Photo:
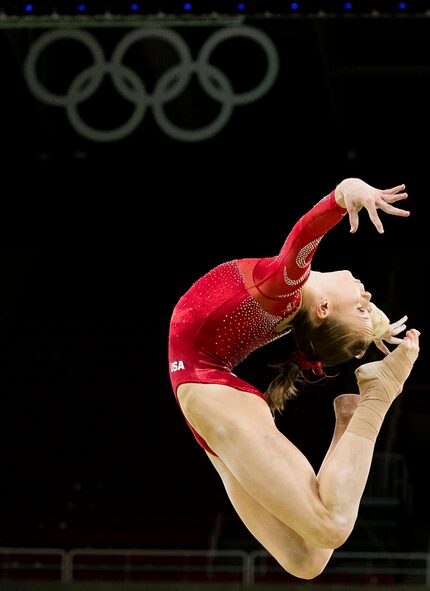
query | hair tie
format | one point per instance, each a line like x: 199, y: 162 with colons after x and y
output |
x: 305, y: 363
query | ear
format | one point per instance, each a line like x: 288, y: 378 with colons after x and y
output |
x: 322, y: 309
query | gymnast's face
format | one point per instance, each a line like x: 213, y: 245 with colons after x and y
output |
x: 349, y: 299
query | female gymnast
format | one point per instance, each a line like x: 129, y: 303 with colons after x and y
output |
x: 298, y: 516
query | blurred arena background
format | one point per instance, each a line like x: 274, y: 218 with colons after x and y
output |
x: 141, y: 144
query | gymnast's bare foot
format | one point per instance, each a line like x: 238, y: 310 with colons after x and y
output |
x: 345, y: 405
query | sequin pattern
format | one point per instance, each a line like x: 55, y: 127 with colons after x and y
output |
x: 231, y: 323
x: 302, y: 262
x: 245, y: 329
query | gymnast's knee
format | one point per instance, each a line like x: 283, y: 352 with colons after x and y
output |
x: 335, y: 536
x: 330, y: 532
x: 308, y: 566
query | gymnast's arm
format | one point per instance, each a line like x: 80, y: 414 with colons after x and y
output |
x: 277, y: 277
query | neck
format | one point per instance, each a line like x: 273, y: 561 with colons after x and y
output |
x: 311, y: 289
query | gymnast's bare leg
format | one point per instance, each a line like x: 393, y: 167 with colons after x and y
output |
x: 298, y: 516
x: 344, y: 407
x: 290, y: 549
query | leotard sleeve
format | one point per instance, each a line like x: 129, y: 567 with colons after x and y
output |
x: 278, y: 277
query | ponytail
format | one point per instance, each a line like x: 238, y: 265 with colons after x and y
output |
x: 328, y: 344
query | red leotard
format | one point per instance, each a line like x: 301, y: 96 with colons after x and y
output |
x: 234, y: 308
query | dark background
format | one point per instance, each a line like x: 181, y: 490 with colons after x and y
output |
x: 100, y: 239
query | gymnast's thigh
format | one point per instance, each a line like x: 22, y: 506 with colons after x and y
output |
x: 240, y: 429
x: 287, y: 546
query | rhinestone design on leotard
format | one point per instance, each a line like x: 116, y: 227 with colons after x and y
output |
x: 301, y: 261
x: 246, y: 326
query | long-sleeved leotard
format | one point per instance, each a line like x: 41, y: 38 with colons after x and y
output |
x: 236, y: 307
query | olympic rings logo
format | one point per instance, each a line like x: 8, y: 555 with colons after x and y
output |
x: 168, y: 87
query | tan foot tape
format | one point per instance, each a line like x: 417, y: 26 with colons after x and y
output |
x: 379, y: 382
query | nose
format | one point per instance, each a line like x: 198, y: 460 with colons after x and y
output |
x: 367, y: 295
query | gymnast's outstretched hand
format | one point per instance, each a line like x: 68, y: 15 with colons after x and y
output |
x: 354, y: 194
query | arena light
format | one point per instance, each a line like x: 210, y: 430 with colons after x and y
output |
x: 199, y: 7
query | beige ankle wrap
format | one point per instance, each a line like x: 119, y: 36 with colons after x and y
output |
x: 379, y: 382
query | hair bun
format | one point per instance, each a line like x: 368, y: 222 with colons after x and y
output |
x: 380, y: 322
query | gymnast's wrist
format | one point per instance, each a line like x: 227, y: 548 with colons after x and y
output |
x: 347, y: 187
x: 339, y: 196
